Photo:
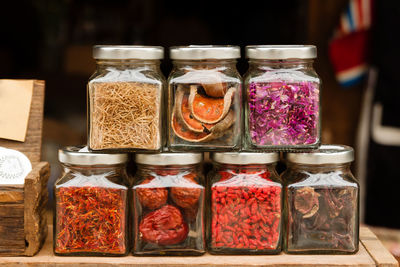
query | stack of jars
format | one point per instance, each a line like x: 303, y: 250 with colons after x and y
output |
x: 169, y: 208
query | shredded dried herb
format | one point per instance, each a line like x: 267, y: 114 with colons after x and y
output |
x: 90, y: 219
x: 283, y: 113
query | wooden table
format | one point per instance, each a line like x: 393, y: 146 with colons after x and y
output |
x: 371, y: 253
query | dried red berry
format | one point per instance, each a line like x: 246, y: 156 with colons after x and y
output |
x: 151, y: 196
x: 245, y: 210
x: 164, y: 226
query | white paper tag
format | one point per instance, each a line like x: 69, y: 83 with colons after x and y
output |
x: 14, y: 166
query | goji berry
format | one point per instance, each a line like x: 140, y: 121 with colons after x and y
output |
x: 247, y: 213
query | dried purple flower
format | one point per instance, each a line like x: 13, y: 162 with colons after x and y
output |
x: 283, y: 113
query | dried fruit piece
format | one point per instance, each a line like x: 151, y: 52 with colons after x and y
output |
x: 215, y: 89
x: 164, y: 226
x: 184, y: 114
x: 186, y: 197
x: 306, y: 201
x: 219, y: 129
x: 215, y: 132
x: 184, y: 133
x: 208, y: 109
x: 151, y: 196
x: 215, y: 86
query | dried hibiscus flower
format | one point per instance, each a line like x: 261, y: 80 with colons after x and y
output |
x: 306, y: 201
x: 283, y: 113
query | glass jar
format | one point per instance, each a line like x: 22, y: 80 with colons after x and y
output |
x: 125, y: 99
x: 204, y: 99
x: 246, y: 204
x: 322, y: 202
x: 168, y: 204
x: 91, y: 204
x: 282, y: 98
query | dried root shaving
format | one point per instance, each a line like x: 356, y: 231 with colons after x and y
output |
x: 125, y: 115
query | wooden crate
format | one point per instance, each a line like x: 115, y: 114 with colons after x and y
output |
x: 371, y: 253
x: 23, y: 224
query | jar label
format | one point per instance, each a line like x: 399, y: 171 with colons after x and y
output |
x: 14, y: 167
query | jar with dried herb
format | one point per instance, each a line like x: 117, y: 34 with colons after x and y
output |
x: 322, y: 202
x: 204, y: 99
x: 282, y: 98
x: 246, y: 204
x: 91, y: 204
x: 125, y: 99
x: 168, y: 204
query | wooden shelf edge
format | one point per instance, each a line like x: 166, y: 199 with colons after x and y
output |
x: 367, y: 256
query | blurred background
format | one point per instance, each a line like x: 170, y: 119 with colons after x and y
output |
x: 357, y: 60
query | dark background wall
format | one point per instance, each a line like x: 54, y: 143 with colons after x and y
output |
x: 52, y: 40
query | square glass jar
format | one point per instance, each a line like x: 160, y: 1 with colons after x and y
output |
x: 204, y: 99
x: 126, y: 99
x: 282, y: 98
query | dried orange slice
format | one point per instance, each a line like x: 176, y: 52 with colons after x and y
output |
x: 186, y: 134
x: 217, y: 131
x: 209, y: 109
x: 183, y: 113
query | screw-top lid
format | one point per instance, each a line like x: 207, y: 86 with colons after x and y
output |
x: 281, y: 51
x: 128, y: 52
x: 78, y: 155
x: 199, y: 52
x: 325, y: 154
x: 244, y: 158
x: 163, y: 159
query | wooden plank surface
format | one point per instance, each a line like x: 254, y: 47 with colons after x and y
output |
x: 12, y: 194
x: 36, y: 197
x: 375, y: 248
x: 23, y: 222
x: 33, y: 142
x: 46, y: 258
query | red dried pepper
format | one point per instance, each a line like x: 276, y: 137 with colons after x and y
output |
x: 164, y: 226
x: 246, y: 211
x: 90, y: 219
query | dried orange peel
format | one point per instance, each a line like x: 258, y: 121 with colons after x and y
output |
x: 216, y: 131
x: 184, y: 114
x: 209, y: 109
x: 215, y: 86
x: 186, y: 134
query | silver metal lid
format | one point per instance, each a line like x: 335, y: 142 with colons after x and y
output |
x: 244, y: 158
x: 77, y: 155
x: 281, y: 51
x: 163, y: 159
x: 199, y: 52
x: 128, y: 52
x: 326, y: 154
